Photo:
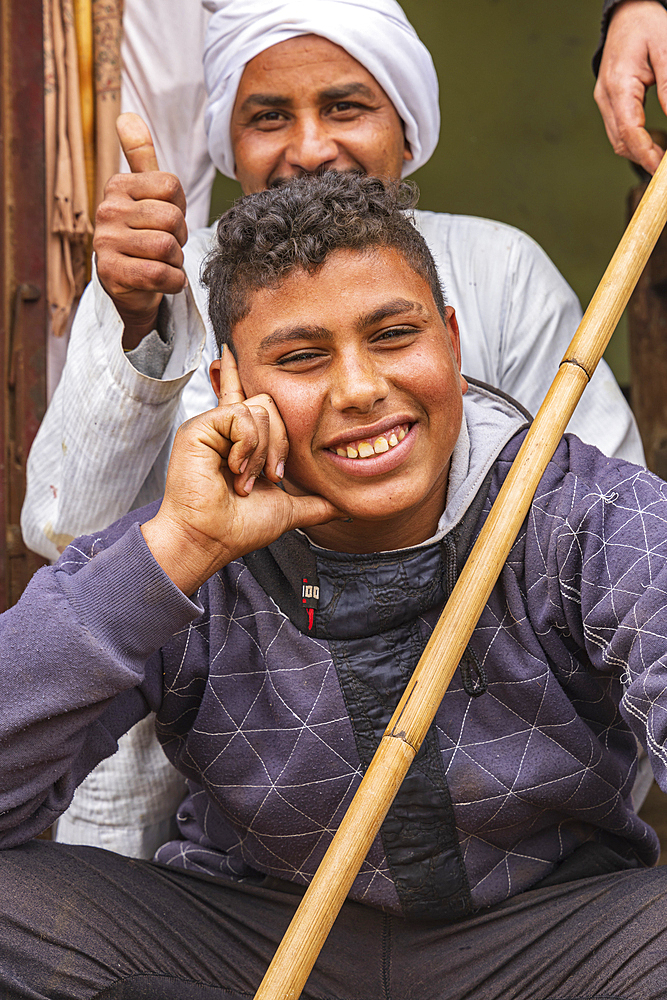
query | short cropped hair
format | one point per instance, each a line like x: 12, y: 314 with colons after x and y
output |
x: 262, y: 238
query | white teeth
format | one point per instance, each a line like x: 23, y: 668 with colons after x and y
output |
x: 393, y: 440
x: 401, y: 434
x: 365, y: 449
x: 352, y: 452
x: 380, y: 446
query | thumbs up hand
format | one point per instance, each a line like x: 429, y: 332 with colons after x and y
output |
x: 139, y: 231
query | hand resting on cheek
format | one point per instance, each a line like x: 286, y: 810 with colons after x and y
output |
x: 216, y: 505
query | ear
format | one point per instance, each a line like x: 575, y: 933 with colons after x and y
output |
x: 407, y: 152
x: 451, y: 323
x: 214, y: 375
x: 455, y: 339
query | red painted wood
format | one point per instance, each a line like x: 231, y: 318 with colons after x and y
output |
x: 23, y: 274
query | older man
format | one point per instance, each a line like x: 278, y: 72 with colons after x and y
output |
x: 295, y: 88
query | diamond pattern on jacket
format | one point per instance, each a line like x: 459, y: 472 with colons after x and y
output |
x: 267, y: 739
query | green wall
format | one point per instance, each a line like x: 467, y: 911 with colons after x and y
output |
x: 522, y: 140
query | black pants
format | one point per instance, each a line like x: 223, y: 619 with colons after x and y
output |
x: 78, y: 922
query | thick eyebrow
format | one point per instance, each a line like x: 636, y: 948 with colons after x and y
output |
x: 347, y: 90
x: 288, y: 334
x: 265, y: 101
x: 328, y: 94
x: 394, y: 308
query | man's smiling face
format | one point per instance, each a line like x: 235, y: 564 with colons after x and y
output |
x: 305, y: 105
x: 357, y: 357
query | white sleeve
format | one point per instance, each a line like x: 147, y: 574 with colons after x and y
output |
x: 163, y: 81
x: 542, y: 316
x: 517, y: 316
x: 106, y: 436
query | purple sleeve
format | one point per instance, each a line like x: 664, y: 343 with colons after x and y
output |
x: 596, y: 564
x: 79, y: 665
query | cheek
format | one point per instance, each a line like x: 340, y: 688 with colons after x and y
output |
x: 434, y: 383
x: 300, y: 426
x: 253, y: 157
x: 383, y: 146
x: 431, y: 378
x: 299, y: 411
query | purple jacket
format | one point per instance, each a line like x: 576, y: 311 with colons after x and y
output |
x: 273, y: 714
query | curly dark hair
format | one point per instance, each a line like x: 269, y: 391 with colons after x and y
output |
x: 265, y: 236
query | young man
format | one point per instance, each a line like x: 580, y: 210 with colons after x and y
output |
x: 271, y: 610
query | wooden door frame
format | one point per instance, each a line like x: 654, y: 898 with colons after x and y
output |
x: 22, y: 274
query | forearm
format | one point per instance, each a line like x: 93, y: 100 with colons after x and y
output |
x: 105, y: 427
x: 71, y: 690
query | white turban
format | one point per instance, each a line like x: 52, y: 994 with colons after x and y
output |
x: 374, y: 32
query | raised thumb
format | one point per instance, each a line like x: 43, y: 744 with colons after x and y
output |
x: 137, y: 143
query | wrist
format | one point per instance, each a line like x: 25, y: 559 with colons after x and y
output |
x: 134, y: 330
x: 187, y: 557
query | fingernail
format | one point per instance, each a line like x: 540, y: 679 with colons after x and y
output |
x: 280, y: 470
x: 186, y: 283
x: 243, y: 466
x: 249, y: 485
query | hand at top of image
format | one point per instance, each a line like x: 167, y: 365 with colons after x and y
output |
x: 633, y: 60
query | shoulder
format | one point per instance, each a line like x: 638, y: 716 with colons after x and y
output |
x: 476, y: 255
x: 442, y: 228
x: 597, y: 497
x: 579, y: 477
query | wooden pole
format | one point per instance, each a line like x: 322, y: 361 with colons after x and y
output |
x: 302, y: 943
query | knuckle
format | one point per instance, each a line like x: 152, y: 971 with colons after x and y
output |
x: 111, y: 274
x: 173, y: 217
x: 107, y: 238
x: 114, y: 184
x: 166, y: 247
x: 171, y: 184
x: 155, y: 273
x: 259, y: 412
x: 107, y: 212
x: 618, y: 142
x: 244, y: 417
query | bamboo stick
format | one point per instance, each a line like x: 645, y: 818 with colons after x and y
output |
x: 302, y: 943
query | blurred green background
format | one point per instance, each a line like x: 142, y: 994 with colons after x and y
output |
x: 522, y: 140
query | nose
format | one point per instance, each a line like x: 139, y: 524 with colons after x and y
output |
x: 357, y: 385
x: 311, y: 147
